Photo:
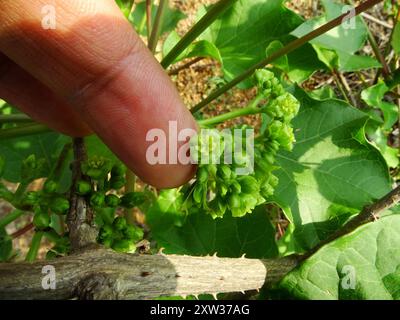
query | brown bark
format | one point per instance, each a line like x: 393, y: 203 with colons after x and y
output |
x: 97, y: 273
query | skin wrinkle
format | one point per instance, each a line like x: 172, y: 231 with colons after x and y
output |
x: 101, y: 69
x: 21, y: 89
x: 101, y: 81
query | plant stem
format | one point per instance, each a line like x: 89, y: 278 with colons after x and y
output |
x: 12, y: 216
x: 184, y: 66
x: 23, y: 131
x: 80, y: 217
x: 22, y: 231
x: 61, y: 163
x: 215, y: 11
x: 368, y: 214
x: 156, y: 30
x: 375, y: 47
x: 285, y: 50
x: 250, y: 109
x: 344, y: 87
x: 149, y: 7
x: 35, y: 246
x: 20, y: 192
x: 130, y: 186
x: 15, y: 118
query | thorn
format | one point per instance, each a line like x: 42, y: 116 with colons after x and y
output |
x: 243, y: 256
x: 215, y: 255
x: 258, y: 290
x: 242, y: 292
x: 196, y: 296
x: 161, y: 251
x: 214, y: 296
x: 184, y: 296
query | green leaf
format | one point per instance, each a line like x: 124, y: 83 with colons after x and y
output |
x: 5, y: 246
x: 323, y: 93
x: 243, y: 33
x: 44, y: 146
x: 373, y: 96
x: 125, y: 6
x: 332, y: 171
x: 298, y: 65
x: 344, y: 38
x: 380, y: 140
x: 337, y: 48
x: 349, y: 62
x: 171, y: 18
x: 166, y: 210
x: 281, y: 63
x: 396, y: 38
x: 200, y: 234
x: 202, y: 48
x: 364, y: 265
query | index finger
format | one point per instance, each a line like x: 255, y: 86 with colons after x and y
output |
x: 95, y: 62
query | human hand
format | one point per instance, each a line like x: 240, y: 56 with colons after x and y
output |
x: 92, y: 73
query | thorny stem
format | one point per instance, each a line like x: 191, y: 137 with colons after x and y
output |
x: 285, y: 50
x: 156, y: 30
x: 215, y: 11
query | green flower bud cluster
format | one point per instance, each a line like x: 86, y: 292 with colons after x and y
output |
x: 268, y: 85
x: 105, y: 179
x: 120, y: 236
x: 102, y: 171
x: 44, y: 203
x: 32, y: 169
x: 97, y: 168
x: 219, y: 187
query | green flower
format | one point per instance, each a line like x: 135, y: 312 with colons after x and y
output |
x: 97, y: 199
x: 50, y: 186
x: 41, y: 220
x: 112, y: 200
x: 59, y: 205
x: 83, y: 187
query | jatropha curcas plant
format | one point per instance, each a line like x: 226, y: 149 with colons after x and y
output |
x: 287, y: 190
x: 216, y: 189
